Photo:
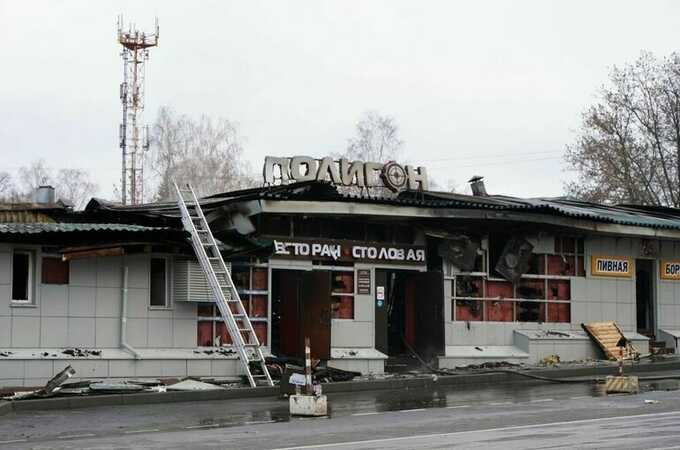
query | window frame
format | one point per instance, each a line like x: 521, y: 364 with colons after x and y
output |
x: 168, y: 283
x: 30, y: 301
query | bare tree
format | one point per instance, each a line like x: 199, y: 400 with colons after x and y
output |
x: 72, y: 185
x: 628, y: 146
x: 7, y: 188
x: 205, y: 152
x: 376, y: 139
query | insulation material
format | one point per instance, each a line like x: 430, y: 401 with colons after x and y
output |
x: 607, y: 335
x: 468, y: 310
x: 559, y: 312
x: 258, y: 306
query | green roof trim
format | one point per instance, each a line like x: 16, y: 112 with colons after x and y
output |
x: 37, y: 228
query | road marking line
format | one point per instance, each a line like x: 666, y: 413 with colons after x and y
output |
x: 210, y: 425
x: 459, y: 406
x: 486, y: 430
x: 410, y: 410
x: 499, y: 403
x: 542, y: 400
x: 150, y: 430
x: 665, y: 448
x: 579, y: 397
x: 366, y: 413
x: 13, y: 441
x: 71, y: 436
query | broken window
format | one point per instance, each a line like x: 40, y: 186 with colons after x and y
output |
x: 342, y: 294
x: 275, y: 226
x: 22, y: 276
x: 158, y: 291
x: 54, y: 271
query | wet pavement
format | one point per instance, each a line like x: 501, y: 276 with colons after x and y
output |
x: 43, y: 428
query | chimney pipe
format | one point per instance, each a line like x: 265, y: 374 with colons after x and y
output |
x: 477, y: 186
x: 44, y: 195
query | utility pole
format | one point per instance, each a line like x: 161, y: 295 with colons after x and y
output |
x: 133, y: 136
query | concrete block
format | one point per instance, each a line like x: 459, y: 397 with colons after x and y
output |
x: 54, y: 332
x: 109, y: 273
x: 121, y: 368
x: 198, y: 368
x: 376, y: 366
x: 184, y: 333
x: 160, y: 333
x: 83, y: 272
x: 174, y: 368
x: 107, y: 332
x: 39, y: 369
x: 622, y: 385
x: 54, y: 300
x: 82, y: 301
x: 25, y: 332
x: 108, y: 302
x: 5, y: 331
x: 81, y: 332
x: 308, y: 405
x: 137, y: 332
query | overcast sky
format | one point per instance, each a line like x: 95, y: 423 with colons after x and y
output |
x: 494, y: 88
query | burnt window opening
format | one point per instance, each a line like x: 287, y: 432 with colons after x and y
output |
x: 22, y: 275
x: 158, y: 291
x: 55, y: 271
x: 307, y: 227
x: 275, y: 226
x: 497, y: 243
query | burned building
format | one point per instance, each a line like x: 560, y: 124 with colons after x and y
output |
x: 368, y: 275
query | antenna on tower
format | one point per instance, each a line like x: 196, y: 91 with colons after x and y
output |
x: 133, y: 136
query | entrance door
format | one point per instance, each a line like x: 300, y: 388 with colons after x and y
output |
x: 301, y: 307
x: 409, y: 312
x: 644, y: 295
x: 316, y: 312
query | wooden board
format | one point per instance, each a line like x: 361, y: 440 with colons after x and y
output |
x: 607, y: 335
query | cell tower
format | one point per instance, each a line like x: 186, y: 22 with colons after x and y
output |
x: 134, y: 137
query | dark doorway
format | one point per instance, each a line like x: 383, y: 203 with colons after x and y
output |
x: 644, y: 295
x: 409, y: 314
x: 301, y: 307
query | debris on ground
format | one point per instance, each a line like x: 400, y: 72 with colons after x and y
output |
x: 219, y: 351
x: 489, y: 365
x: 193, y: 385
x: 550, y: 361
x: 115, y: 388
x: 652, y: 402
x: 79, y: 352
x: 6, y: 354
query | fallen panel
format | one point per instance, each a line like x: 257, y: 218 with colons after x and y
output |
x: 193, y: 385
x: 607, y: 335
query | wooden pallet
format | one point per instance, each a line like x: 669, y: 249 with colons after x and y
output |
x: 607, y: 335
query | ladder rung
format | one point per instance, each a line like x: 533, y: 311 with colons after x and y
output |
x: 244, y: 329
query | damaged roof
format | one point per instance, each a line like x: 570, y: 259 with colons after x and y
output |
x: 167, y: 213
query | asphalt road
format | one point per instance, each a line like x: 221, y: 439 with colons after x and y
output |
x: 514, y: 416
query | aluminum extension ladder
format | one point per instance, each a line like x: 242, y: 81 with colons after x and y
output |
x: 238, y: 324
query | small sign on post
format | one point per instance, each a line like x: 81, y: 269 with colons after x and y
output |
x: 311, y: 403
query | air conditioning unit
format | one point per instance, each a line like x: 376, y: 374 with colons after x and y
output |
x: 190, y: 284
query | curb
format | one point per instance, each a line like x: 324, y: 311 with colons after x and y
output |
x: 479, y: 378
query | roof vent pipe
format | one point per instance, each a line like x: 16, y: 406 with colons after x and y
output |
x: 44, y: 195
x: 477, y: 186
